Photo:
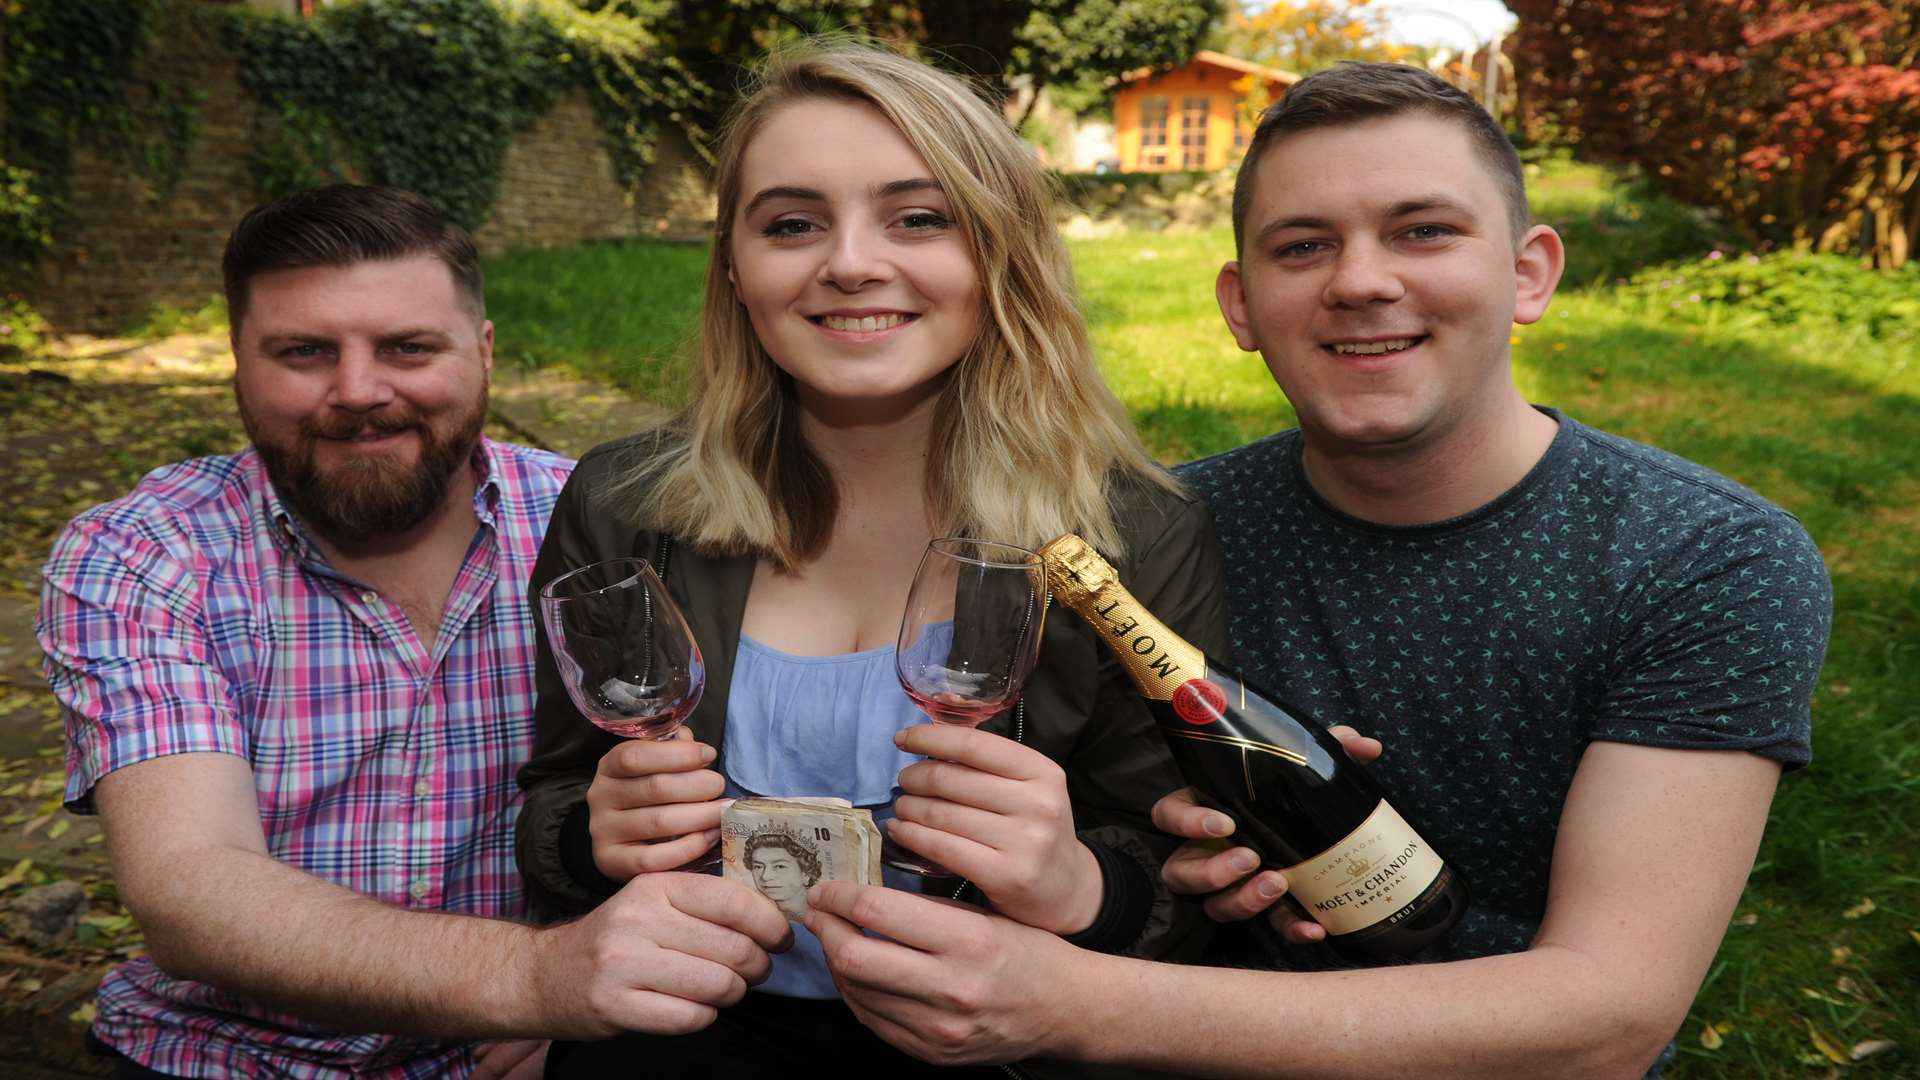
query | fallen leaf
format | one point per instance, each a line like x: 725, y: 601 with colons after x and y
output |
x: 1864, y: 907
x: 1915, y: 934
x: 1710, y: 1038
x: 1841, y: 954
x: 1821, y: 995
x: 1746, y: 920
x: 82, y: 1015
x: 33, y: 826
x: 1828, y: 1046
x: 1724, y: 1027
x: 59, y: 828
x: 1863, y: 1051
x: 16, y: 875
x: 31, y: 985
x: 1846, y: 985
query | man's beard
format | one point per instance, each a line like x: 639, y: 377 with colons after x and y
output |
x: 371, y: 496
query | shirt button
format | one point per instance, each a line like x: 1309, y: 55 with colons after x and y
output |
x: 422, y: 788
x: 370, y: 597
x: 419, y: 889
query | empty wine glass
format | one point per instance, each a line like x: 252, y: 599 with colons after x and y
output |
x: 969, y: 640
x: 624, y: 651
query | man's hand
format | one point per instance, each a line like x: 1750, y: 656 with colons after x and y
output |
x: 514, y: 1059
x: 1225, y: 875
x: 654, y: 805
x: 945, y: 982
x: 661, y: 956
x: 997, y: 813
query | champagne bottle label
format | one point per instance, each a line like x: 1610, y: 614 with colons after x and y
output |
x: 1370, y: 875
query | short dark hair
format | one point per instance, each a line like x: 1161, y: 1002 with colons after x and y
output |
x: 340, y: 225
x: 1355, y: 91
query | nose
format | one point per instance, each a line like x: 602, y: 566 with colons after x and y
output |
x: 856, y: 258
x: 1363, y: 274
x: 360, y: 383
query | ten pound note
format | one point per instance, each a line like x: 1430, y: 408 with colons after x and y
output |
x: 783, y: 847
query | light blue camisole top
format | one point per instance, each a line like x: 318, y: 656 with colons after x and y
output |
x: 816, y: 725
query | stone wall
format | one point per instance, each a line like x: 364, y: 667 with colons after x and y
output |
x: 127, y: 248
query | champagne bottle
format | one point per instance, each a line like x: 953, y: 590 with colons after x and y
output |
x: 1352, y: 863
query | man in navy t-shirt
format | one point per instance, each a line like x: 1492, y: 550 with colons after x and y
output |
x: 1588, y: 660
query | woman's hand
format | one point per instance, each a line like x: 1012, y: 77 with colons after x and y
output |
x: 654, y: 805
x: 996, y: 812
x: 1207, y: 866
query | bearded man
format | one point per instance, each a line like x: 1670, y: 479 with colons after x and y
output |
x: 297, y: 682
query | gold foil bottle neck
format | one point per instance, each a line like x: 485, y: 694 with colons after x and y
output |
x: 1076, y: 572
x: 1159, y: 660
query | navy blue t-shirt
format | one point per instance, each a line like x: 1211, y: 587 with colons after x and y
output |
x: 1616, y: 593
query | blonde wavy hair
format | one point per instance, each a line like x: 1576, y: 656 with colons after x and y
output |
x: 1027, y: 440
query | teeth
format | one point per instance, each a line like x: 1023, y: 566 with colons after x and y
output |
x: 866, y: 325
x: 1373, y: 348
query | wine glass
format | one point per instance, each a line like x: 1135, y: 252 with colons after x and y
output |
x: 968, y: 641
x: 624, y: 652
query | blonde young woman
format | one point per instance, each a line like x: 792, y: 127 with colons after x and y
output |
x: 890, y: 350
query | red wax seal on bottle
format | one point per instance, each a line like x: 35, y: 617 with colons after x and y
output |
x: 1199, y: 702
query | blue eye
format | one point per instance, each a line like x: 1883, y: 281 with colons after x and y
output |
x: 1429, y: 232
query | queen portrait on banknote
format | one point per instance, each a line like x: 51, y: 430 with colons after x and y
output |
x: 890, y: 349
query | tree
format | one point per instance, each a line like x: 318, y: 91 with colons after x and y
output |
x: 1304, y: 36
x: 1800, y: 120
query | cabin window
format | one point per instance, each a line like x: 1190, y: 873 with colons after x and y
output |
x: 1193, y: 132
x: 1153, y: 132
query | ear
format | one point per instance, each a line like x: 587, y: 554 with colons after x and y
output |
x: 1229, y: 289
x: 1537, y: 267
x: 486, y: 347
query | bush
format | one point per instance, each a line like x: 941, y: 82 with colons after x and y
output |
x: 1787, y: 289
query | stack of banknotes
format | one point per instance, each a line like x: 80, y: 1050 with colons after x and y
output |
x: 782, y: 847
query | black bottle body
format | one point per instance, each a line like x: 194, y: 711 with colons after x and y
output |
x: 1352, y: 862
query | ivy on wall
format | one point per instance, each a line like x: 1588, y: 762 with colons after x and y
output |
x: 66, y: 78
x: 428, y: 94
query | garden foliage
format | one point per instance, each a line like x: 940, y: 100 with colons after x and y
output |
x: 1801, y: 121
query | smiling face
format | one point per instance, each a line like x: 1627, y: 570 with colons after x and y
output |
x: 364, y: 388
x: 1380, y: 282
x: 844, y: 253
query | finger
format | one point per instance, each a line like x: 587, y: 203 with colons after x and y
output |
x: 659, y: 789
x: 644, y: 757
x: 1293, y: 928
x: 668, y: 820
x: 1360, y: 748
x: 945, y: 815
x: 1200, y: 868
x: 1249, y: 898
x: 531, y: 1067
x: 977, y: 749
x: 964, y: 856
x: 504, y: 1060
x: 661, y: 1014
x: 873, y: 963
x: 1179, y: 814
x: 731, y: 904
x: 891, y: 1017
x: 622, y: 861
x: 916, y: 922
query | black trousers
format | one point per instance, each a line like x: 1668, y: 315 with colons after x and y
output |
x: 764, y: 1035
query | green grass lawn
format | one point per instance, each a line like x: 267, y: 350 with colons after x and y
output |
x: 1794, y: 379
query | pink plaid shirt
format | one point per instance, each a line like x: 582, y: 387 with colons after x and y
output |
x: 194, y: 615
